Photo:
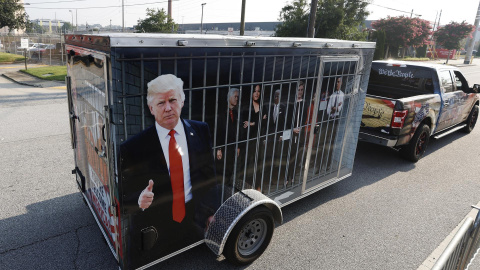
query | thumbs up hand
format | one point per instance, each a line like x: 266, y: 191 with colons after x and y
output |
x: 146, y: 197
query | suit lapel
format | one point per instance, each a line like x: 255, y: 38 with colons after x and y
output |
x: 193, y: 143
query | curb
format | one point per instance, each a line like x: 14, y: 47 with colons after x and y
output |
x: 22, y: 83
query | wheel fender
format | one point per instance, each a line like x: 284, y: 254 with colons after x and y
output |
x: 230, y: 213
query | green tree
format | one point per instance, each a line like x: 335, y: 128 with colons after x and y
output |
x: 32, y: 27
x: 12, y: 15
x: 450, y: 35
x: 380, y: 47
x: 340, y: 19
x: 404, y: 31
x: 156, y: 21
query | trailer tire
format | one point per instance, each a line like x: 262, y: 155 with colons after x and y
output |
x: 471, y: 120
x: 250, y: 236
x: 418, y: 144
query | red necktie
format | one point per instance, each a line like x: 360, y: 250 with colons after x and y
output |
x: 176, y: 177
x: 231, y: 114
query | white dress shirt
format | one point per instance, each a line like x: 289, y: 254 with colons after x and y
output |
x: 181, y: 139
x: 336, y: 100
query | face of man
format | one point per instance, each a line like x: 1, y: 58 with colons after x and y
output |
x: 276, y: 98
x: 166, y: 108
x: 234, y: 99
x: 339, y: 84
x: 300, y: 92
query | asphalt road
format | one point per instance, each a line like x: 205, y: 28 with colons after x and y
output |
x: 390, y: 214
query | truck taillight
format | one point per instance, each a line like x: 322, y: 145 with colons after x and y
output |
x: 398, y: 118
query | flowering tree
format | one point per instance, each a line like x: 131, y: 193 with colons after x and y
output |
x: 404, y: 31
x: 450, y: 35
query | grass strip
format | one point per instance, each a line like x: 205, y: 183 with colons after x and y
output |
x: 10, y: 57
x: 51, y: 73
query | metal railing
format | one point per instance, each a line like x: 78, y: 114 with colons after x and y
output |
x: 461, y: 250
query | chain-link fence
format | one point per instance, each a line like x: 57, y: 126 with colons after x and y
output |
x: 45, y: 49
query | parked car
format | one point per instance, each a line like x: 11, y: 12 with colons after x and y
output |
x: 407, y: 103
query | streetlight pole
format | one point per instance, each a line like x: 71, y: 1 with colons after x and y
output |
x: 201, y: 24
x: 71, y: 12
x: 123, y: 17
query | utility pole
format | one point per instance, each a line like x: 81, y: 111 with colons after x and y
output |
x: 201, y: 23
x: 170, y: 8
x: 242, y: 19
x: 311, y: 22
x: 76, y: 19
x: 110, y: 25
x: 471, y: 42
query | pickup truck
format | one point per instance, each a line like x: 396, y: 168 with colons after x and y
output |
x: 407, y: 103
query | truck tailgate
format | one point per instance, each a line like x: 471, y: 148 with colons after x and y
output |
x: 376, y: 120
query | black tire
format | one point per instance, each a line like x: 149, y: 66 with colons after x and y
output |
x: 418, y: 144
x: 471, y: 120
x: 250, y: 237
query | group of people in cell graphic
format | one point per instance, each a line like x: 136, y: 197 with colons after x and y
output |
x: 261, y: 141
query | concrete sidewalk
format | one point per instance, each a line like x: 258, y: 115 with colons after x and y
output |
x: 26, y: 79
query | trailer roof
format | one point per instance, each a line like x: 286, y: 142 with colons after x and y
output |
x: 108, y: 40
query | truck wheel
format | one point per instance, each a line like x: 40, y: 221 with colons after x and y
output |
x: 471, y: 120
x: 417, y: 146
x: 250, y: 237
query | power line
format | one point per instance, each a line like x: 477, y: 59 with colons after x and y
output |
x: 142, y: 4
x: 54, y: 2
x: 408, y: 12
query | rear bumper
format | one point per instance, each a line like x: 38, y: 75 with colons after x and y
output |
x: 381, y: 140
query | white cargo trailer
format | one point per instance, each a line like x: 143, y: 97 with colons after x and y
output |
x: 265, y: 122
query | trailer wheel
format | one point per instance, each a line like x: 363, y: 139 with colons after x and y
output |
x: 417, y: 146
x: 471, y: 120
x: 250, y: 237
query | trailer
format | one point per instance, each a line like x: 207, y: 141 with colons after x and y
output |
x: 267, y: 121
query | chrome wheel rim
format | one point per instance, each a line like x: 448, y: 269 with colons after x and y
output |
x: 251, y: 237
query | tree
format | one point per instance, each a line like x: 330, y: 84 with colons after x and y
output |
x: 450, y: 35
x: 31, y: 27
x: 157, y: 21
x: 340, y: 19
x: 404, y: 31
x: 380, y: 47
x: 12, y: 15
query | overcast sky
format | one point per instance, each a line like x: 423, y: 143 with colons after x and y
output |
x: 189, y: 11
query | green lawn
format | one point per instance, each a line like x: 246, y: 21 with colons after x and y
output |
x: 51, y: 73
x: 9, y: 57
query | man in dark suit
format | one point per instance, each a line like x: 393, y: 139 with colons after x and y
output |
x: 296, y: 119
x: 273, y: 125
x: 167, y: 178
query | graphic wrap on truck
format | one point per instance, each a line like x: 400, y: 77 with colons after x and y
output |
x: 377, y: 113
x: 88, y: 94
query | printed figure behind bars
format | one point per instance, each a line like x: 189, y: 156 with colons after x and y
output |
x: 333, y: 112
x: 274, y: 122
x: 228, y: 155
x: 296, y: 117
x: 252, y: 121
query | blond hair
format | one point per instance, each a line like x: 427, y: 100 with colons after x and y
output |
x: 163, y: 84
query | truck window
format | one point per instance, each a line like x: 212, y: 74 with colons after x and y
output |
x: 460, y: 81
x: 399, y: 81
x: 446, y: 81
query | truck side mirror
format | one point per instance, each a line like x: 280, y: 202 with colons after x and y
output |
x: 476, y: 88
